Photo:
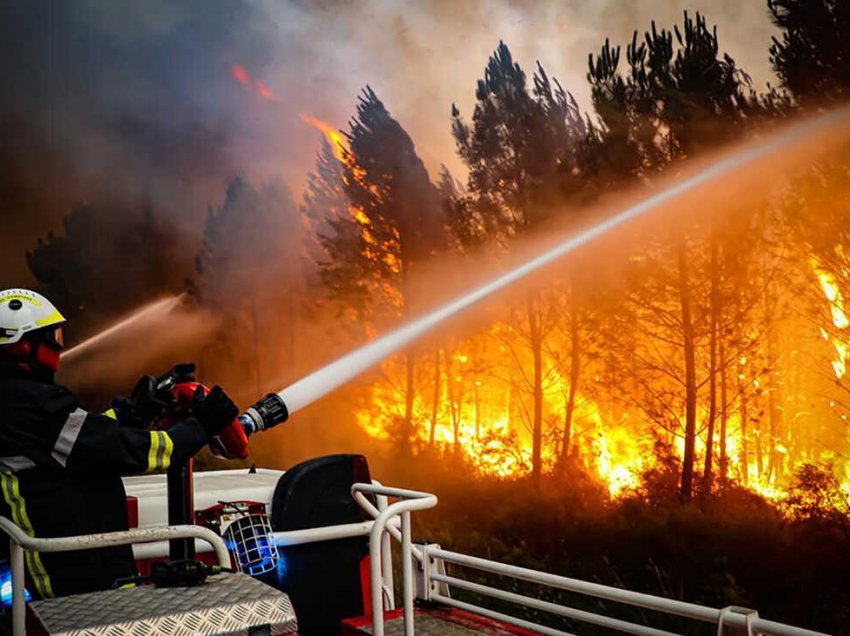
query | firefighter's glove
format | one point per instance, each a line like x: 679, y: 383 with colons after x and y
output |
x: 215, y: 411
x: 143, y: 407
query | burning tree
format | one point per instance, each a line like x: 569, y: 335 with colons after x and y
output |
x: 672, y: 102
x: 522, y: 152
x: 397, y: 223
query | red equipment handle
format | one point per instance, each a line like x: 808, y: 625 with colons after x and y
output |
x: 231, y: 443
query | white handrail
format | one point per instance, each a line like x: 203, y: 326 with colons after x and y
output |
x: 546, y: 606
x: 596, y: 590
x: 20, y: 540
x: 410, y: 500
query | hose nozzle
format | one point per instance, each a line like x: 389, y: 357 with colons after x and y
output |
x: 266, y: 413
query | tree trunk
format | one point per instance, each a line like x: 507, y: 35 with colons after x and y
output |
x: 454, y: 409
x: 407, y: 432
x: 477, y: 405
x: 714, y: 310
x: 535, y: 334
x: 744, y: 450
x: 575, y: 361
x: 724, y: 416
x: 774, y: 467
x: 407, y: 424
x: 690, y: 377
x: 435, y: 406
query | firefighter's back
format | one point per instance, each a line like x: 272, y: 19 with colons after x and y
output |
x: 45, y: 499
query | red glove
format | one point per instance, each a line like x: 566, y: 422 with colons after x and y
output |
x: 231, y: 442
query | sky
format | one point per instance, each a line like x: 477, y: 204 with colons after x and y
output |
x: 162, y: 102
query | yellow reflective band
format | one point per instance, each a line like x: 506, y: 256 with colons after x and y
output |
x: 154, y: 451
x: 52, y: 319
x: 169, y: 446
x: 12, y: 494
x: 42, y: 572
x: 111, y: 414
x: 21, y: 297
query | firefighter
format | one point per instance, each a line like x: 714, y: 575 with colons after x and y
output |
x: 61, y: 466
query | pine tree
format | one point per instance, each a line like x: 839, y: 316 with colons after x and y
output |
x: 521, y: 149
x: 678, y: 96
x: 109, y: 260
x: 395, y: 222
x: 812, y: 59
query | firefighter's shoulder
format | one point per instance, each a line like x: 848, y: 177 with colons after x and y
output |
x: 49, y: 399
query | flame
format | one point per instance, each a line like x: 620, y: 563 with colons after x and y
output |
x: 620, y: 474
x: 264, y: 92
x: 240, y: 75
x: 483, y: 417
x: 480, y: 418
x: 830, y: 288
x: 481, y: 424
x: 833, y: 295
x: 360, y: 216
x: 339, y: 144
x: 385, y: 252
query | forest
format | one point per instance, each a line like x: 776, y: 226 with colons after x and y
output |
x: 666, y: 410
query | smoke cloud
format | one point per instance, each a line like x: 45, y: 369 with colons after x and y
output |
x: 167, y: 101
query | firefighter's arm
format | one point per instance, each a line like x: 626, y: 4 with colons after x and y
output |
x: 91, y: 443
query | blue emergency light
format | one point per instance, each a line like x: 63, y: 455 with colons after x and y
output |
x: 6, y: 586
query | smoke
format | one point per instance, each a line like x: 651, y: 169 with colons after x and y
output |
x: 107, y: 364
x: 118, y: 101
x: 123, y: 100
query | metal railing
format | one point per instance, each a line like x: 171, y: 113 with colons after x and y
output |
x: 20, y: 541
x: 731, y: 617
x: 434, y: 584
x: 408, y: 501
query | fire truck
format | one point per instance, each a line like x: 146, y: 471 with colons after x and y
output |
x: 322, y: 548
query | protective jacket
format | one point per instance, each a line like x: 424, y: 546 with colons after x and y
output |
x: 60, y: 473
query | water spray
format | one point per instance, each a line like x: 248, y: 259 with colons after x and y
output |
x: 162, y: 305
x: 275, y: 408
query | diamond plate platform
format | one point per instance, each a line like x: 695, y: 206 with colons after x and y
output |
x: 225, y: 604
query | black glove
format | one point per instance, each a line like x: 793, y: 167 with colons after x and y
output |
x: 142, y: 407
x: 215, y: 411
x: 184, y: 372
x: 151, y: 397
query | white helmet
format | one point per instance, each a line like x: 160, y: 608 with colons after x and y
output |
x: 21, y: 311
